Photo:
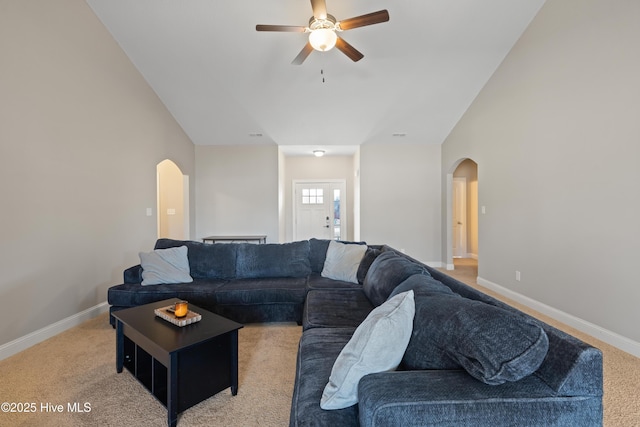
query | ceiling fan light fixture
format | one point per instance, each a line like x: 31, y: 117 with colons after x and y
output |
x: 323, y: 39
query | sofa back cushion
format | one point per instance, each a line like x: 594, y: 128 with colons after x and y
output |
x: 317, y: 253
x: 206, y: 261
x: 369, y: 256
x: 492, y: 344
x: 571, y: 367
x: 273, y: 260
x: 387, y: 271
x: 421, y: 284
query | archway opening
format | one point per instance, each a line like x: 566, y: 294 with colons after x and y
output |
x: 462, y: 214
x: 173, y: 201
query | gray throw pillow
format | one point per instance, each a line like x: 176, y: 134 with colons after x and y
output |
x: 165, y: 266
x: 342, y: 261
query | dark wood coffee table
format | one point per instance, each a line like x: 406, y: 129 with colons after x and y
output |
x: 180, y: 366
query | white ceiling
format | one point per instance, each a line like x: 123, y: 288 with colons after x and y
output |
x: 224, y: 82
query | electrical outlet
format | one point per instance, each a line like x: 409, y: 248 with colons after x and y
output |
x: 517, y: 275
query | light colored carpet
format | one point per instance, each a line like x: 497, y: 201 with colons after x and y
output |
x: 79, y: 366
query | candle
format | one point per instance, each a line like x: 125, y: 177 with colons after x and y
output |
x: 182, y: 308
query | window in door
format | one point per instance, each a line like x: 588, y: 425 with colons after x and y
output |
x: 312, y: 196
x: 336, y: 214
x: 319, y: 210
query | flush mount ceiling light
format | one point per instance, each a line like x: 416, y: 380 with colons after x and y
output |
x: 318, y: 153
x: 323, y: 30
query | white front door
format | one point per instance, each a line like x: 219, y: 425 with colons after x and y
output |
x: 319, y: 210
x: 459, y: 217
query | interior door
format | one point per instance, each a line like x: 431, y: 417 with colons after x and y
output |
x: 319, y: 210
x: 459, y: 217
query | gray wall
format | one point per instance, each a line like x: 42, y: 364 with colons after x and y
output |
x: 400, y: 198
x: 80, y: 136
x: 555, y: 133
x: 237, y: 190
x: 399, y: 193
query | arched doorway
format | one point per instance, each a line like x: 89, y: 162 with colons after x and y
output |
x: 173, y: 201
x: 462, y: 214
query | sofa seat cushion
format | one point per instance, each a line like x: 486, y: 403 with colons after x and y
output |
x: 492, y: 344
x: 449, y: 398
x: 273, y: 260
x: 317, y: 353
x: 316, y: 281
x: 335, y: 309
x: 198, y: 292
x: 206, y: 261
x: 262, y: 291
x: 387, y: 271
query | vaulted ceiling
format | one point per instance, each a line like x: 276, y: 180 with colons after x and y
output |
x: 226, y: 83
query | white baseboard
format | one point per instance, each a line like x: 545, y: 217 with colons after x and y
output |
x: 24, y: 342
x: 616, y: 340
x: 434, y: 264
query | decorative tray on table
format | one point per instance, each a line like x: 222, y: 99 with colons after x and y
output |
x: 166, y: 313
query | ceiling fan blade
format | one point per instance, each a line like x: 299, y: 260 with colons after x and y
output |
x: 286, y: 28
x: 348, y: 50
x: 363, y: 20
x: 306, y: 51
x: 319, y: 9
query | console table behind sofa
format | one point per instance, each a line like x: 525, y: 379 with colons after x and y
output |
x: 260, y: 238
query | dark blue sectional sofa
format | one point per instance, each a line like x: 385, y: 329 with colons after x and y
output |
x: 471, y: 359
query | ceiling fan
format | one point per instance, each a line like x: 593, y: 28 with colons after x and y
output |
x: 323, y: 29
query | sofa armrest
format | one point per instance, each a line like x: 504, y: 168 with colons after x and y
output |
x: 454, y: 398
x: 133, y: 274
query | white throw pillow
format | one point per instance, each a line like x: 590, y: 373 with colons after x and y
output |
x: 165, y: 266
x: 342, y: 261
x: 377, y: 345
